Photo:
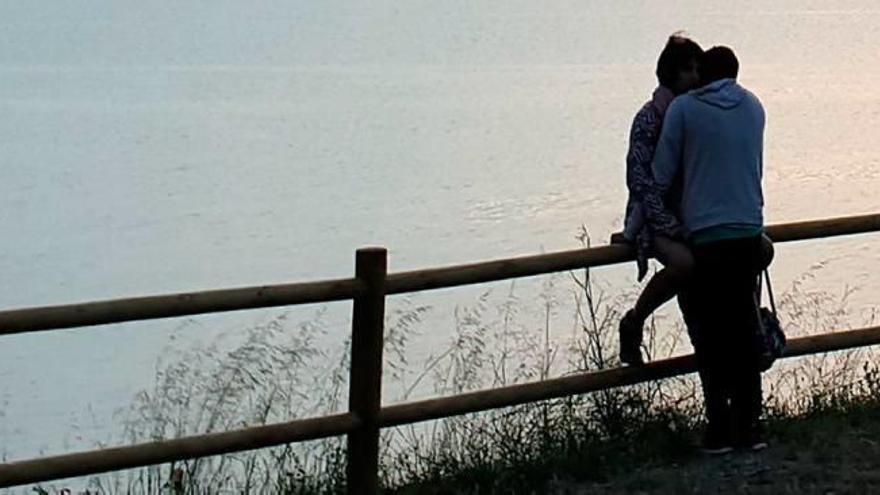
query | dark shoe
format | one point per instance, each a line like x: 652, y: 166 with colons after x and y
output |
x: 630, y: 332
x: 716, y: 450
x: 752, y: 442
x: 715, y: 443
x: 758, y: 446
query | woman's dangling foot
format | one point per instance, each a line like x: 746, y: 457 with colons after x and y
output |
x: 630, y: 332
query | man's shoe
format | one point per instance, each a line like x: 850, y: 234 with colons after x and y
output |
x: 716, y: 443
x: 716, y: 450
x: 630, y: 333
x: 753, y: 442
x: 758, y: 446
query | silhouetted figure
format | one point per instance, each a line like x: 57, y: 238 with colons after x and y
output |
x: 713, y: 138
x: 650, y: 224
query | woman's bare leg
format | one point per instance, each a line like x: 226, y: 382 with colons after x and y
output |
x: 678, y: 265
x: 664, y: 285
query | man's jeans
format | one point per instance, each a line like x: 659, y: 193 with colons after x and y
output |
x: 719, y: 309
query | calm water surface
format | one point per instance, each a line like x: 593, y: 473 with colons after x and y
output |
x: 163, y: 148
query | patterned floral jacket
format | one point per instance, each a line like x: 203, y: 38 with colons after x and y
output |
x: 647, y: 213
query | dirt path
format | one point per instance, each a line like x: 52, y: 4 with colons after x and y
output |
x: 832, y: 453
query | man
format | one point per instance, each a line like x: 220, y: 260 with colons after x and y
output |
x: 713, y: 137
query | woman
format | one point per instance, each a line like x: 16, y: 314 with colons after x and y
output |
x: 649, y: 224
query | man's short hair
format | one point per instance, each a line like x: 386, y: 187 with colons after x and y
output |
x: 679, y: 52
x: 719, y: 62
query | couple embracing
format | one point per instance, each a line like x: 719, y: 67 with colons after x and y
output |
x: 694, y: 171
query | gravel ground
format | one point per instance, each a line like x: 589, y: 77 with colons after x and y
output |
x: 830, y: 453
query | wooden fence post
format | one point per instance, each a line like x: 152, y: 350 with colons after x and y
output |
x: 365, y: 384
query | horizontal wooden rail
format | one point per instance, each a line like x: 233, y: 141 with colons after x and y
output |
x: 828, y: 227
x: 145, y: 454
x: 491, y: 271
x: 165, y: 306
x: 82, y: 464
x: 512, y: 395
x: 830, y: 342
x: 193, y: 303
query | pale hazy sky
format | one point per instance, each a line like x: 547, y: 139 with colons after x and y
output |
x: 454, y: 32
x: 276, y: 32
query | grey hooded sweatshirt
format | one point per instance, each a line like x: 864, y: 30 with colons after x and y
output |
x: 715, y: 136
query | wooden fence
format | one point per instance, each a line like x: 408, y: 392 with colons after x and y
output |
x: 366, y: 416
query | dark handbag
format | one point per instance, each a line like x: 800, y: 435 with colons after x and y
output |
x: 770, y: 337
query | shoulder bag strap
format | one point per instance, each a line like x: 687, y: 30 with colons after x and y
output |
x: 769, y: 290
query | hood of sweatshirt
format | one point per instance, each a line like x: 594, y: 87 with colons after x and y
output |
x: 724, y: 93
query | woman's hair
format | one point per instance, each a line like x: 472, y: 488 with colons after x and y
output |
x: 719, y: 62
x: 679, y: 52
